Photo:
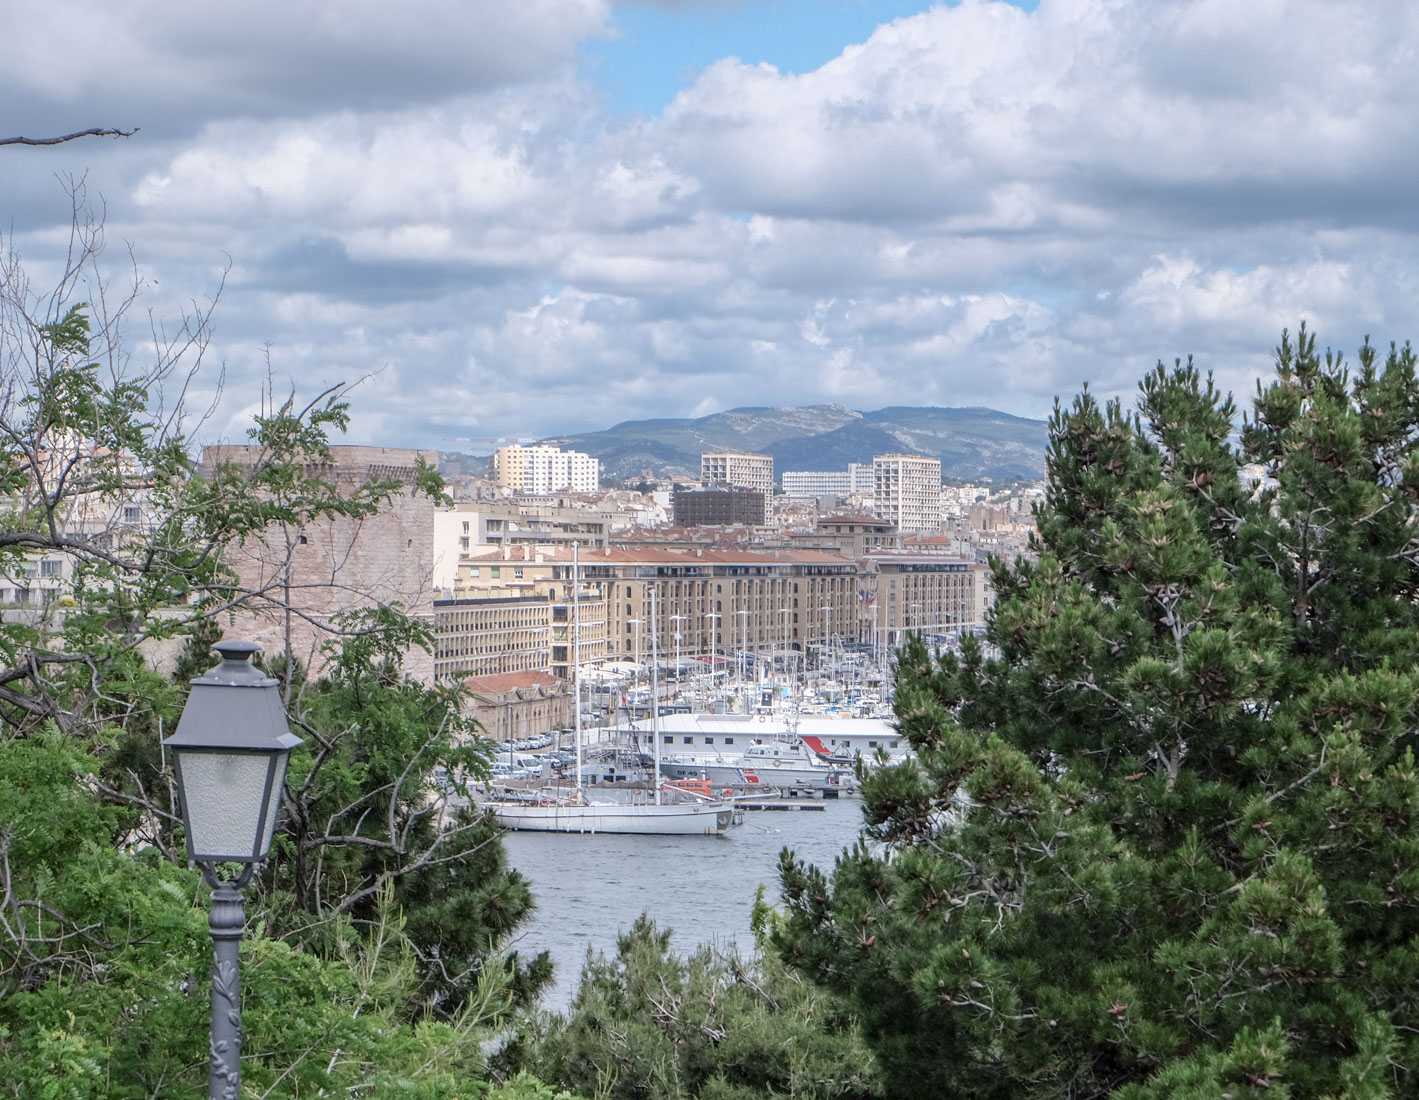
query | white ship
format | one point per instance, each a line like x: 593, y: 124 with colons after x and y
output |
x: 782, y: 764
x: 837, y: 740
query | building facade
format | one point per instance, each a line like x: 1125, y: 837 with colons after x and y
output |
x: 512, y: 706
x: 513, y: 608
x: 738, y: 470
x: 939, y: 595
x: 906, y: 491
x: 468, y: 526
x: 719, y: 508
x: 857, y: 536
x: 541, y: 469
x: 707, y: 602
x: 857, y: 478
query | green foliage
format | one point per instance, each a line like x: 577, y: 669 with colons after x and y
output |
x: 714, y: 1026
x: 1160, y: 835
x: 373, y: 964
x: 104, y: 959
x: 369, y: 806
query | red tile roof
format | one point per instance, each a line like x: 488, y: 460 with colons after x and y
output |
x: 510, y: 681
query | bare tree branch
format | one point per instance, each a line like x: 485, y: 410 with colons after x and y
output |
x: 95, y: 132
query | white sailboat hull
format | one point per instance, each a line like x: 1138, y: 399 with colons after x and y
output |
x: 679, y: 819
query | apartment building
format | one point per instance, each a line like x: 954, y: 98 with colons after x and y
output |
x: 906, y: 491
x: 936, y: 594
x: 706, y: 601
x: 856, y: 536
x: 738, y: 470
x: 719, y: 508
x: 857, y: 478
x: 541, y: 469
x: 471, y: 525
x: 513, y: 610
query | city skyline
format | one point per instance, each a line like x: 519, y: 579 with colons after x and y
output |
x: 535, y: 221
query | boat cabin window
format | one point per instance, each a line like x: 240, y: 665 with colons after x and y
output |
x: 872, y: 744
x: 669, y: 740
x: 689, y: 740
x: 729, y: 740
x: 709, y: 740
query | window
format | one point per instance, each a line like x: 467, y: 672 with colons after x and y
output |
x: 53, y: 568
x: 729, y: 740
x: 495, y: 572
x: 473, y: 571
x: 709, y: 740
x: 689, y: 740
x: 517, y: 573
x: 670, y: 740
x: 130, y: 513
x: 463, y: 543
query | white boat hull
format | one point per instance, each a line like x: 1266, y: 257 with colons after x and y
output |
x: 687, y: 819
x: 749, y: 777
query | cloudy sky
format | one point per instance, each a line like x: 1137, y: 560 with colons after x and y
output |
x: 523, y: 219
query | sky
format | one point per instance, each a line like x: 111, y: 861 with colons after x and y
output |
x: 516, y: 221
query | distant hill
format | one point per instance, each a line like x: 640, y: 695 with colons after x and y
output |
x: 971, y: 442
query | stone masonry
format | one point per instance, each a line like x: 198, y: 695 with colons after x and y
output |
x: 306, y: 576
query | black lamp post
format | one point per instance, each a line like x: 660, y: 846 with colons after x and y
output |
x: 230, y: 752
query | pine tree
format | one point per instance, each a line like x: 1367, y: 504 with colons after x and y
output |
x: 1159, y: 837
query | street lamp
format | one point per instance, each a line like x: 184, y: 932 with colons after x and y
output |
x: 713, y: 617
x: 230, y: 752
x: 743, y: 614
x: 787, y: 649
x: 636, y: 674
x: 677, y: 619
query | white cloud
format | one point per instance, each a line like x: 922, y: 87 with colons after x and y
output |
x: 978, y: 205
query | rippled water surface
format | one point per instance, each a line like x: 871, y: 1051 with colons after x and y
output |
x: 589, y: 888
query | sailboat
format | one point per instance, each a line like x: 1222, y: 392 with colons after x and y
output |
x: 576, y: 812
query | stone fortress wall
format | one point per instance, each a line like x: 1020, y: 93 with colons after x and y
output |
x: 305, y: 576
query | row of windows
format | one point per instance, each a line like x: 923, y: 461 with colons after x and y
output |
x: 669, y: 739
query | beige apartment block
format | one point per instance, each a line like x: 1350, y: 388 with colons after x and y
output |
x: 542, y: 469
x: 738, y: 470
x: 716, y: 601
x: 855, y: 536
x: 538, y: 580
x: 468, y: 526
x: 907, y: 491
x: 935, y: 594
x: 301, y: 578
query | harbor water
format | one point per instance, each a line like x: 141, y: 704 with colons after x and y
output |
x: 590, y: 888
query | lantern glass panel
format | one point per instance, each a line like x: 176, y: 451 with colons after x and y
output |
x: 224, y: 794
x: 273, y: 811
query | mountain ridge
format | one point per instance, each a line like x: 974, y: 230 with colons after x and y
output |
x: 972, y: 442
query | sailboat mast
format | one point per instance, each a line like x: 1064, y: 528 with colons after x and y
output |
x: 654, y: 699
x: 576, y: 655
